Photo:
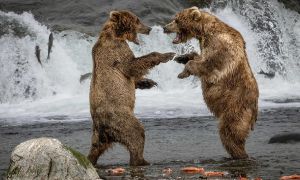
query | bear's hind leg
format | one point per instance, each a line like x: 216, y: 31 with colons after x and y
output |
x: 94, y: 150
x: 97, y: 148
x: 132, y: 135
x: 233, y: 133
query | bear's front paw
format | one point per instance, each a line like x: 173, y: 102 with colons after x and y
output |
x: 145, y: 84
x: 185, y: 58
x: 184, y: 74
x: 167, y: 57
x: 182, y: 59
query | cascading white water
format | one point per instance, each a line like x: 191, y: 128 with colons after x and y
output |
x: 22, y: 76
x: 29, y: 91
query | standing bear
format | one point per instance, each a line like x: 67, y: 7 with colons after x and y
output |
x: 229, y: 87
x: 112, y: 91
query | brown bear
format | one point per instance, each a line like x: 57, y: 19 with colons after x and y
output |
x: 229, y: 87
x: 112, y: 91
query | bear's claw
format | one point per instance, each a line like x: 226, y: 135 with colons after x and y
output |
x: 183, y: 75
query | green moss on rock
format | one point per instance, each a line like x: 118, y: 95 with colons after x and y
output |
x: 12, y: 172
x: 83, y: 161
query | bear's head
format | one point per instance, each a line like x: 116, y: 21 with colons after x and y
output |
x: 125, y: 26
x: 185, y: 25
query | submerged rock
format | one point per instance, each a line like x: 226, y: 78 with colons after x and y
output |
x: 48, y: 158
x: 285, y: 138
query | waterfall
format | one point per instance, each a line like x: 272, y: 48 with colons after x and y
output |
x: 271, y: 32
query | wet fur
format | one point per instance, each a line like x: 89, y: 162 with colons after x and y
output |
x: 229, y: 87
x: 112, y: 90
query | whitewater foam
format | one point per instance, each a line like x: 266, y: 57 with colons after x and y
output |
x: 54, y: 90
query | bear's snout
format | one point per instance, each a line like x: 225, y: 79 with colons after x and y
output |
x: 166, y: 30
x: 148, y: 30
x: 144, y: 30
x: 171, y: 28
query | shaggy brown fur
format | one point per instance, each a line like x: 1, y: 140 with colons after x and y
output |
x: 112, y: 91
x: 229, y: 87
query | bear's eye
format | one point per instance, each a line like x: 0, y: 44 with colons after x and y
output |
x: 176, y: 21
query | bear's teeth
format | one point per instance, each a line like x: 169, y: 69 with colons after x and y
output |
x: 176, y: 40
x: 136, y: 41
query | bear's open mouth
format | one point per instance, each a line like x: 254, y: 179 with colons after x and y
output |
x: 178, y: 38
x: 136, y: 41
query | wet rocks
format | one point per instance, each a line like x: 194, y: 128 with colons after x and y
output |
x: 48, y: 158
x: 285, y: 138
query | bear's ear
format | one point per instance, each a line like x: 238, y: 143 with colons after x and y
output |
x: 194, y: 8
x: 196, y: 14
x: 114, y: 16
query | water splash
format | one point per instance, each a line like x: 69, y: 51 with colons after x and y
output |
x: 28, y: 90
x: 21, y: 75
x: 276, y: 30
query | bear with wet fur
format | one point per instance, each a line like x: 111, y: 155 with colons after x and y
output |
x: 112, y: 91
x: 229, y: 86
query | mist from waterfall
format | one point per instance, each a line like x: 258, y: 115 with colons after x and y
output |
x: 27, y: 90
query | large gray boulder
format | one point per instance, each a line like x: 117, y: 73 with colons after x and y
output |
x: 48, y: 158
